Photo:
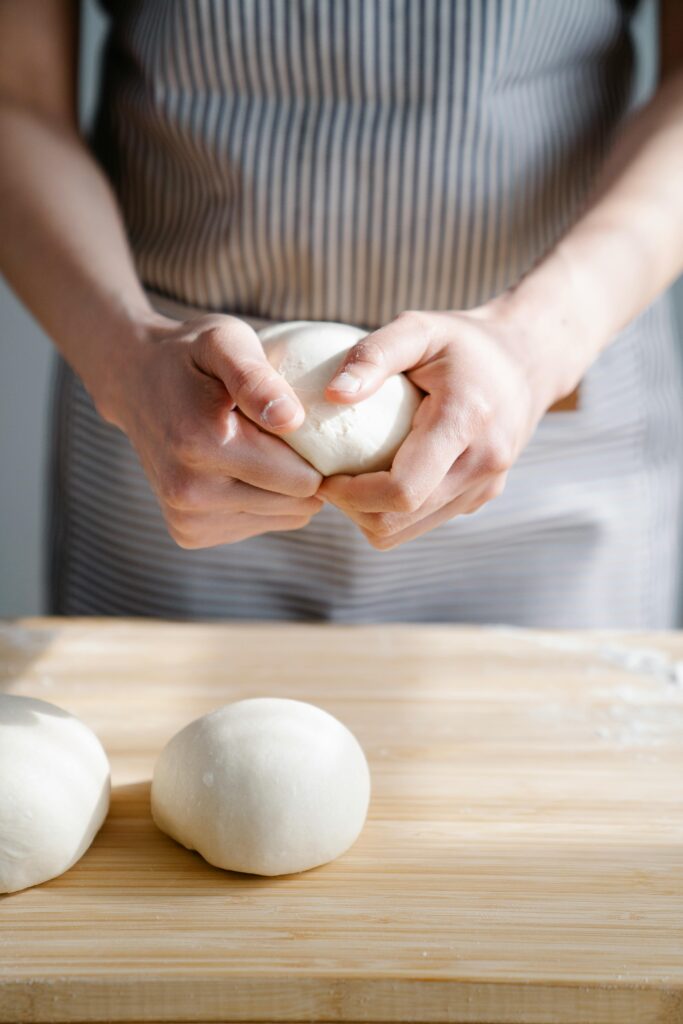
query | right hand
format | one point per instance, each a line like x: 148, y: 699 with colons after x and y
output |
x: 201, y: 405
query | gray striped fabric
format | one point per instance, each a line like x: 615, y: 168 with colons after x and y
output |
x: 344, y: 160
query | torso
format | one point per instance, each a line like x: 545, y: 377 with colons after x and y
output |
x: 344, y: 161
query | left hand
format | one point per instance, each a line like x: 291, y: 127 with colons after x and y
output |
x: 487, y: 382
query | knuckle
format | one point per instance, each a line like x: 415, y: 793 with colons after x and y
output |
x: 476, y: 410
x: 414, y: 319
x: 213, y: 338
x: 382, y: 524
x: 496, y: 487
x: 247, y: 378
x: 298, y: 481
x: 311, y: 507
x: 179, y: 490
x: 180, y: 534
x: 175, y: 520
x: 184, y: 445
x: 492, y: 491
x: 378, y: 542
x: 404, y: 497
x: 187, y: 440
x: 495, y: 456
x: 308, y: 486
x: 367, y: 351
x: 489, y: 461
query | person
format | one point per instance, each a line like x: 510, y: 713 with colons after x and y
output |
x: 462, y: 179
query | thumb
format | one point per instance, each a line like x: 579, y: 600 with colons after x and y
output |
x: 398, y: 346
x: 230, y: 350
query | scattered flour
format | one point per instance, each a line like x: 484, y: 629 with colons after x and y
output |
x: 644, y: 661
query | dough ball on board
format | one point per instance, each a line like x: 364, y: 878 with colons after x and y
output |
x: 358, y: 438
x: 54, y: 791
x: 266, y: 786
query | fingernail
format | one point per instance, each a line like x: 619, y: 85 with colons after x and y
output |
x: 347, y: 382
x: 279, y: 411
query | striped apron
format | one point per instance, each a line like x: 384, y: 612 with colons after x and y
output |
x: 343, y: 160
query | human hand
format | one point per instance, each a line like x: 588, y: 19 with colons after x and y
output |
x: 487, y: 381
x: 201, y: 404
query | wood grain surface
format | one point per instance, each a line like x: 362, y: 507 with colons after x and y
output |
x: 522, y: 861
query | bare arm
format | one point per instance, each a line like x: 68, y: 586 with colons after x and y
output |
x: 490, y: 373
x: 63, y: 248
x: 628, y: 245
x: 170, y: 387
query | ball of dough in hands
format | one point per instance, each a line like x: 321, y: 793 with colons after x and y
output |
x: 266, y: 786
x: 358, y: 438
x: 54, y: 791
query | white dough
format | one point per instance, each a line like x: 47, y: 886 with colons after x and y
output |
x: 54, y: 791
x: 267, y: 786
x: 358, y: 438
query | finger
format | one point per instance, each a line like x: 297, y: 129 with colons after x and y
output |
x: 400, y: 345
x: 260, y: 459
x: 212, y: 495
x: 229, y: 349
x: 213, y: 531
x: 437, y: 444
x: 394, y: 522
x: 256, y: 501
x: 465, y: 504
x: 436, y: 441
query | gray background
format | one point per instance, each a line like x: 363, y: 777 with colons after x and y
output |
x: 26, y: 366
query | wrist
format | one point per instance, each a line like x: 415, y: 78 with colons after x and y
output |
x: 552, y: 331
x: 117, y: 362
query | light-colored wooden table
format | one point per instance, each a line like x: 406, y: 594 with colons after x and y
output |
x: 522, y: 861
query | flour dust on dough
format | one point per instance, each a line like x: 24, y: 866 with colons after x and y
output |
x: 353, y: 439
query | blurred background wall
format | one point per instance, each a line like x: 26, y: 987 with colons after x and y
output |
x: 25, y: 366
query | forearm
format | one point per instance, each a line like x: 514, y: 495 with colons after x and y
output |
x: 63, y: 247
x: 621, y: 253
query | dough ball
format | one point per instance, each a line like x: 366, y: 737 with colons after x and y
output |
x: 54, y: 791
x: 359, y: 438
x: 266, y: 786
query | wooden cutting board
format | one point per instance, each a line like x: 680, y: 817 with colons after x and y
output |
x: 522, y: 861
